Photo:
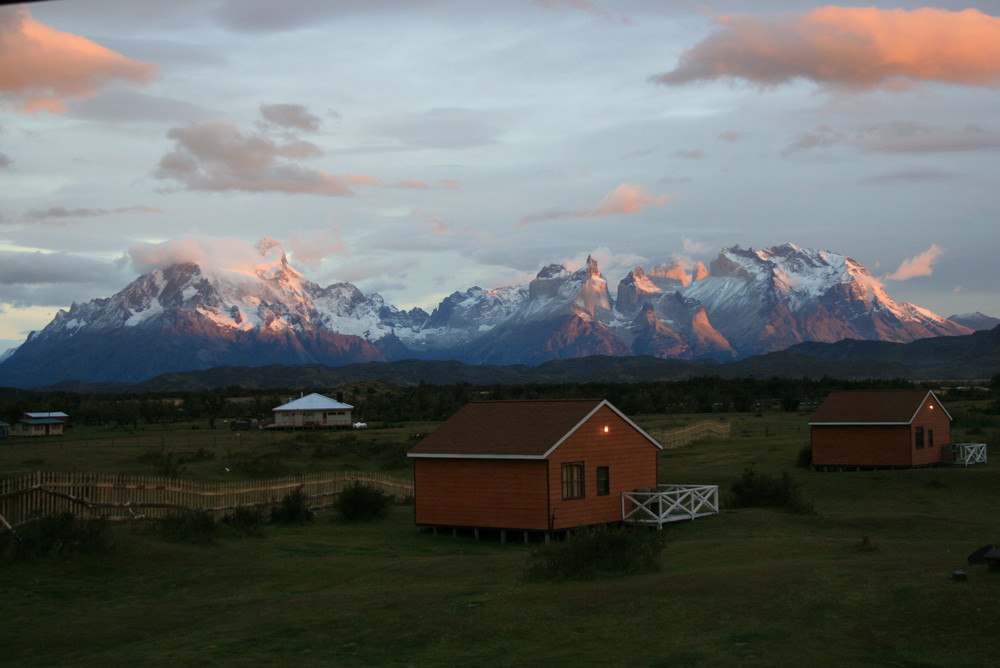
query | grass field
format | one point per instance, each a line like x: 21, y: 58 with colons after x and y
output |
x: 862, y: 582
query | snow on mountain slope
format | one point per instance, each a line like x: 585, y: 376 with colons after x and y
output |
x: 186, y: 316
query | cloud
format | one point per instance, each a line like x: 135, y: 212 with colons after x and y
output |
x: 690, y: 154
x: 219, y: 254
x: 219, y: 157
x: 309, y: 250
x: 627, y: 198
x: 908, y: 137
x: 730, y: 136
x: 5, y: 161
x: 899, y: 137
x: 61, y: 215
x: 918, y: 265
x: 130, y: 106
x: 848, y: 48
x: 581, y: 5
x: 692, y: 247
x: 290, y: 116
x: 912, y: 175
x: 41, y: 68
x: 52, y: 279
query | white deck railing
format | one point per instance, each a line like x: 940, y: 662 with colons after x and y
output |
x: 970, y: 453
x: 670, y: 503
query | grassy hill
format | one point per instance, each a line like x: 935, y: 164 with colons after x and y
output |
x: 862, y: 582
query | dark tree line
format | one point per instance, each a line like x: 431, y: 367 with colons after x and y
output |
x: 386, y: 402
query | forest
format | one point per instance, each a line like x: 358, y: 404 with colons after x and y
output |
x: 385, y: 402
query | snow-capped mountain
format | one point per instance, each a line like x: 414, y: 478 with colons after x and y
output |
x: 977, y: 321
x: 767, y: 300
x: 185, y: 317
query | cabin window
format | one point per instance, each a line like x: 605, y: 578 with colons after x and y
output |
x: 603, y: 481
x: 930, y: 438
x: 572, y: 480
x: 919, y: 433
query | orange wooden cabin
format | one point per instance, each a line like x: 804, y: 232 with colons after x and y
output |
x: 880, y: 428
x: 531, y: 465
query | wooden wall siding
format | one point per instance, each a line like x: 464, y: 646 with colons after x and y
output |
x: 486, y: 493
x: 845, y: 445
x: 630, y: 457
x: 936, y: 420
x: 882, y: 445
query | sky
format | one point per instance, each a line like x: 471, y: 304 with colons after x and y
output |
x: 415, y: 148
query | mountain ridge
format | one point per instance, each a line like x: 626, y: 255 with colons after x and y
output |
x: 748, y: 302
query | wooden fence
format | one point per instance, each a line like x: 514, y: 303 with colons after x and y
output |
x: 675, y: 438
x: 132, y: 497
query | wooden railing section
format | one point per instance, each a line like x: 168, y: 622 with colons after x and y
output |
x: 132, y: 497
x: 675, y: 438
x: 669, y: 503
x: 970, y: 453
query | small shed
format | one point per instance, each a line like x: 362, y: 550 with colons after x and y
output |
x: 531, y: 466
x: 37, y: 427
x: 880, y: 429
x: 47, y: 415
x: 313, y: 411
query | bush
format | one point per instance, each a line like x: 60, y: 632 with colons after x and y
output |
x: 596, y: 551
x: 246, y: 520
x: 54, y: 535
x: 360, y: 502
x: 805, y: 459
x: 293, y: 509
x: 189, y: 526
x: 762, y: 490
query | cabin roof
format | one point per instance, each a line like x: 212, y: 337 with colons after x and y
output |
x: 313, y: 402
x: 873, y: 407
x: 511, y: 429
x: 47, y: 414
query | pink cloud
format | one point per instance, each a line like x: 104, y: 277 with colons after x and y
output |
x: 311, y: 249
x: 918, y: 265
x: 627, y: 198
x: 41, y: 68
x: 852, y: 48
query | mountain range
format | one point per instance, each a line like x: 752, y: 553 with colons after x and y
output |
x: 745, y: 303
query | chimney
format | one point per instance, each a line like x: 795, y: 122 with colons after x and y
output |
x: 340, y: 397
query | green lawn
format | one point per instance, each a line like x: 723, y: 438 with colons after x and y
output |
x: 749, y: 587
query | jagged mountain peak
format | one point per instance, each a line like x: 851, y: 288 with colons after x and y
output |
x: 256, y: 308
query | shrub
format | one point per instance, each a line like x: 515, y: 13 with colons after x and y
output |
x: 60, y: 534
x: 360, y: 502
x: 293, y: 509
x: 189, y: 526
x: 596, y: 551
x: 805, y: 459
x: 246, y: 520
x: 762, y: 490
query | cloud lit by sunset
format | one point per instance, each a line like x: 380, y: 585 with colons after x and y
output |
x: 918, y: 265
x: 852, y: 48
x: 42, y: 68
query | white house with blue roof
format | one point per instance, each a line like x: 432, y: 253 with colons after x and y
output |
x: 313, y: 411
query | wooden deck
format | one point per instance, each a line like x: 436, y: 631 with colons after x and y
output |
x: 669, y: 503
